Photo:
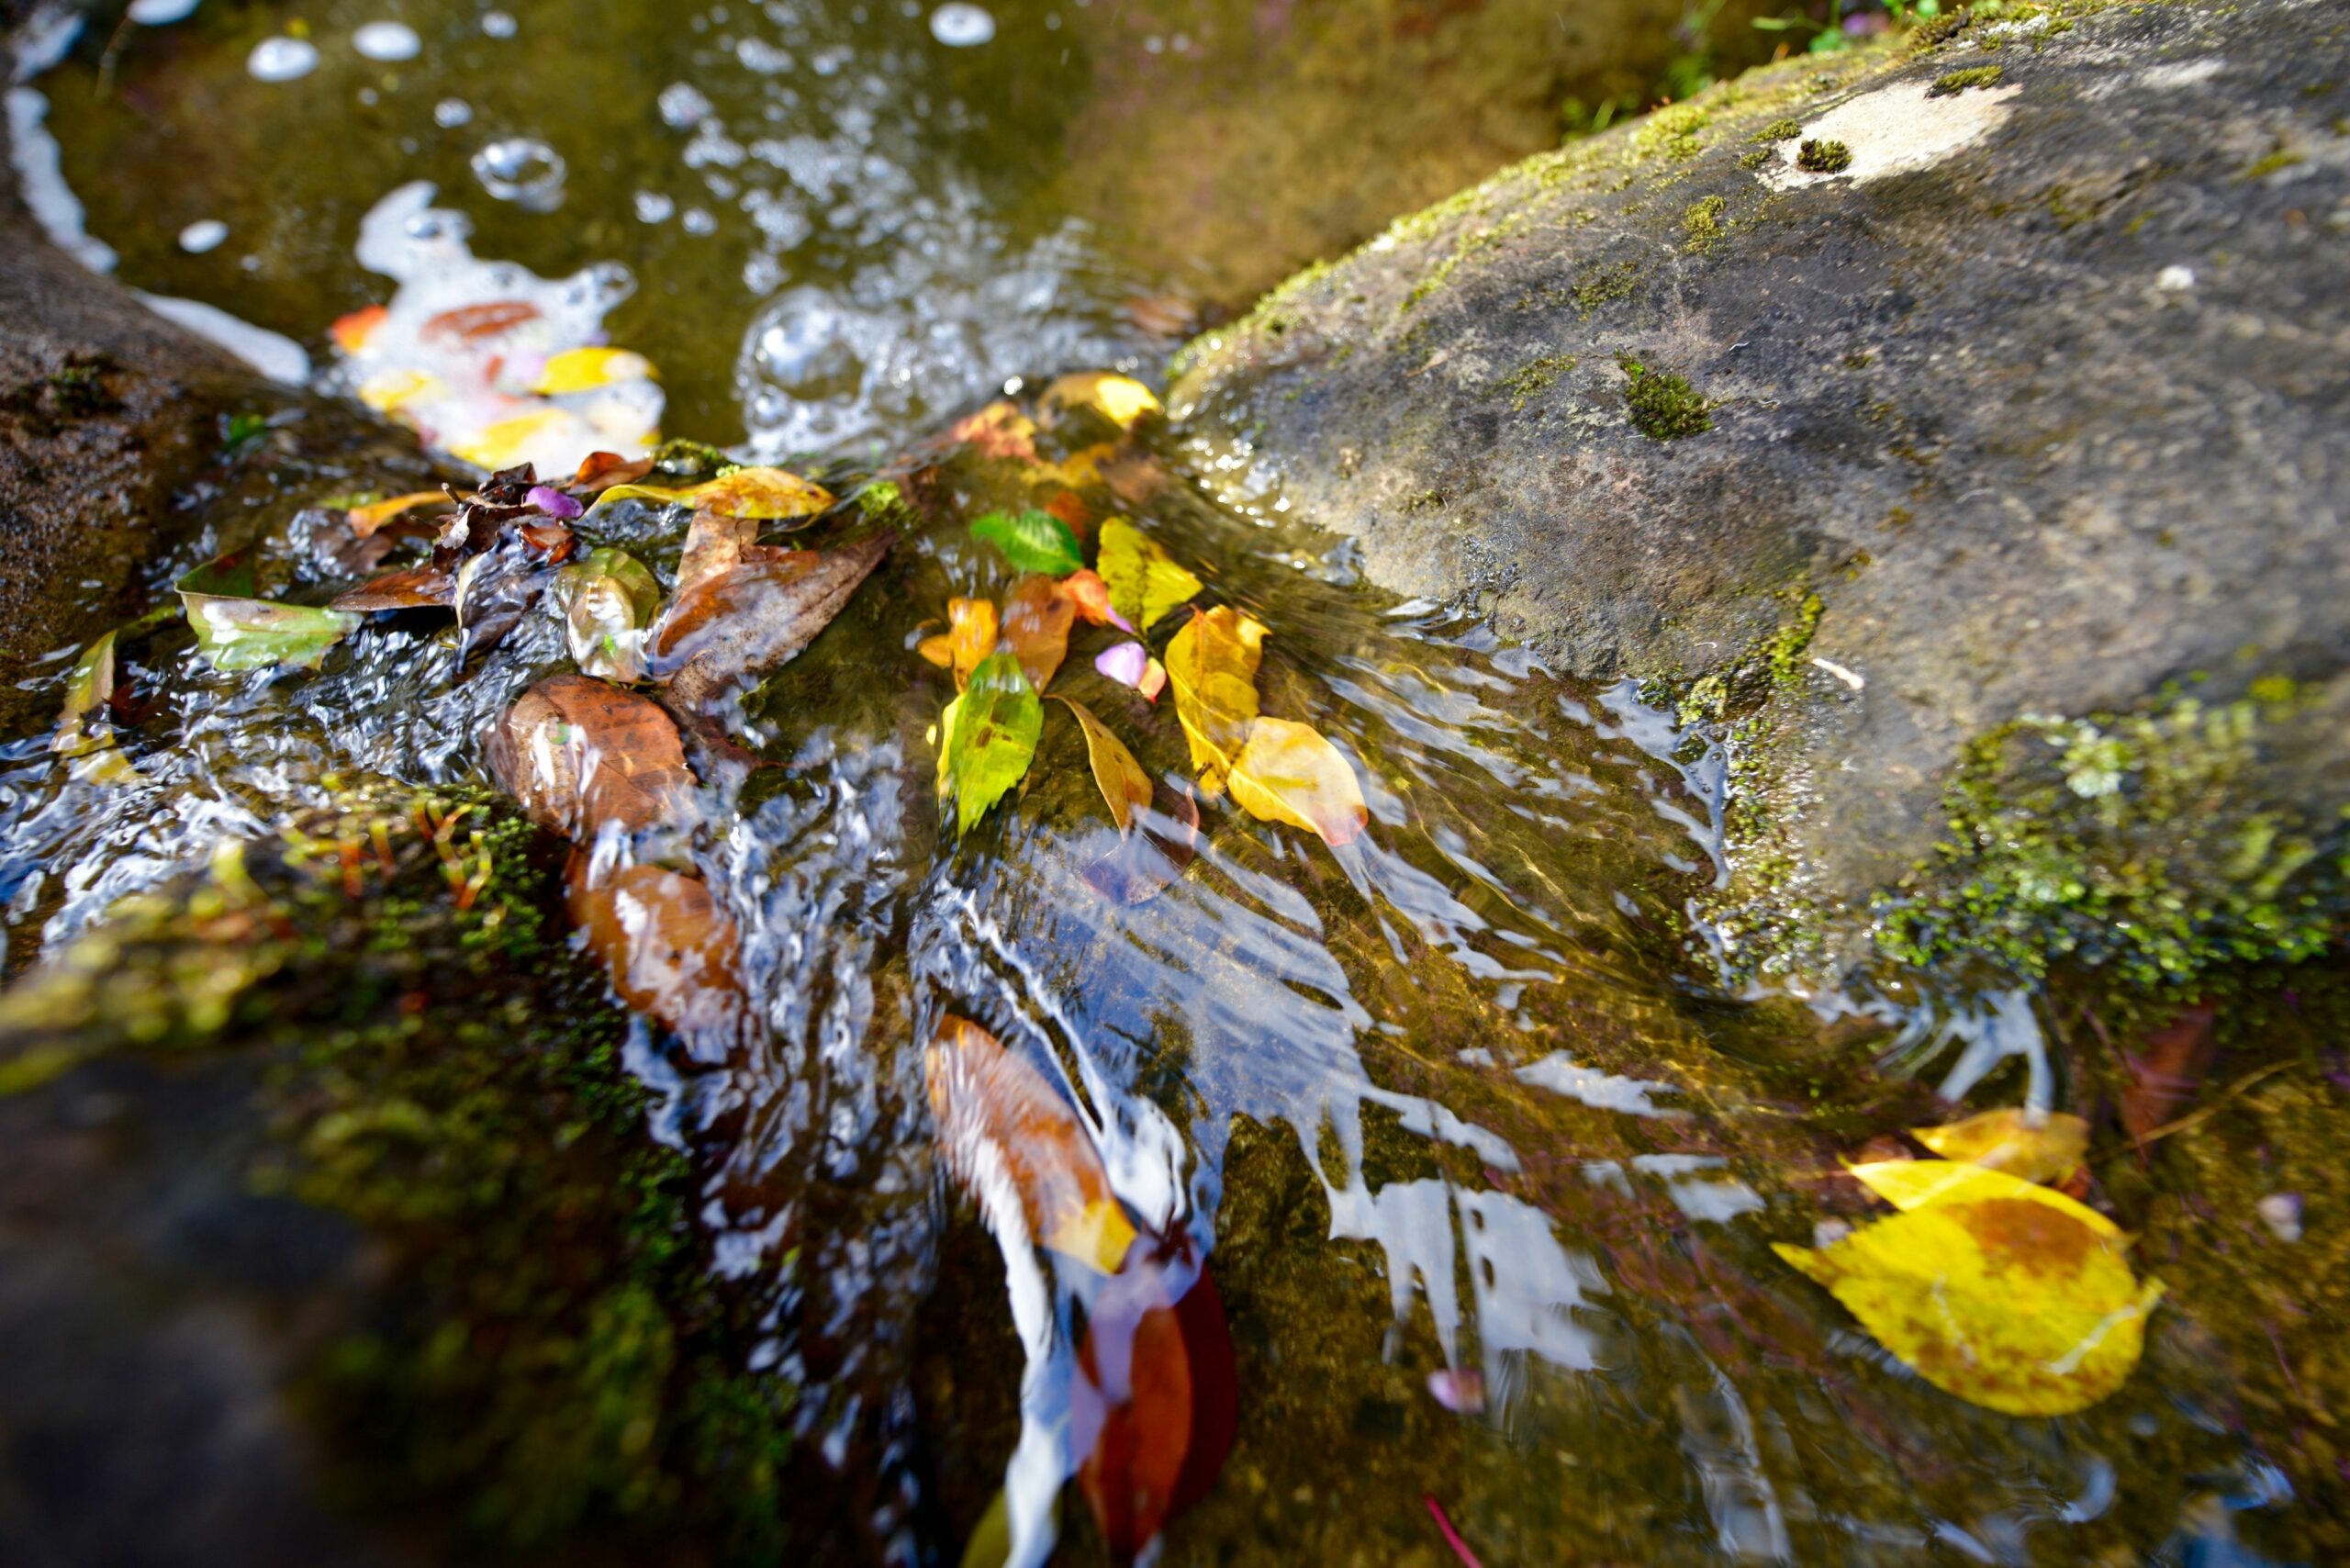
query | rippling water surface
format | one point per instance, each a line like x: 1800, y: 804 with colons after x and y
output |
x: 1482, y: 1151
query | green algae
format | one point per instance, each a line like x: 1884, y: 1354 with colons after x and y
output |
x: 1823, y: 157
x: 1952, y: 82
x: 1532, y: 379
x: 1702, y: 226
x: 1662, y: 404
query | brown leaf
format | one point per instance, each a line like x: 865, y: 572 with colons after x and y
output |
x: 475, y: 321
x: 583, y: 755
x: 553, y: 540
x: 2169, y: 1069
x: 600, y: 471
x: 1037, y: 619
x: 715, y: 543
x: 424, y: 586
x: 495, y: 590
x: 366, y: 520
x: 735, y: 629
x: 672, y: 953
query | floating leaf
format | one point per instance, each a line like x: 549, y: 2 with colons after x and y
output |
x: 1089, y: 595
x: 1124, y: 783
x: 236, y: 632
x: 1145, y: 582
x: 423, y: 587
x: 607, y: 602
x: 735, y: 629
x: 2034, y: 1145
x: 1130, y: 664
x: 1037, y: 619
x: 1009, y: 1140
x: 761, y: 495
x: 987, y: 738
x: 998, y: 429
x: 1288, y: 773
x: 473, y: 322
x: 351, y: 333
x: 582, y: 754
x: 600, y: 471
x: 552, y: 502
x: 2006, y: 1294
x: 1155, y: 1405
x: 390, y: 390
x: 1032, y: 541
x: 672, y: 953
x: 970, y: 636
x: 1212, y: 664
x: 366, y: 520
x: 1120, y: 399
x: 589, y: 369
x: 504, y: 443
x: 81, y: 731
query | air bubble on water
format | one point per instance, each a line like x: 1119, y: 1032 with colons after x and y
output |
x: 698, y: 220
x: 203, y: 235
x: 683, y: 107
x: 498, y: 24
x: 451, y: 113
x: 960, y: 25
x: 161, y: 13
x: 386, y: 40
x: 282, y: 59
x: 653, y: 206
x: 522, y: 170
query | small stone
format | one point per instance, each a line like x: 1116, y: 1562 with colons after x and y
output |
x: 2281, y: 1212
x: 2174, y: 278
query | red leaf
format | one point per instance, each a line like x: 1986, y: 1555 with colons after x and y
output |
x: 471, y: 321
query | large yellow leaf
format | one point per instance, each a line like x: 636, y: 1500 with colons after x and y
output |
x: 1211, y: 665
x: 2038, y: 1145
x: 1124, y: 783
x: 2004, y: 1294
x: 1145, y: 582
x: 763, y: 495
x: 1288, y: 773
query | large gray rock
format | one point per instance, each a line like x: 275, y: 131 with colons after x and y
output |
x: 2045, y: 398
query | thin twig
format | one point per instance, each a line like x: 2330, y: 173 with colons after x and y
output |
x: 2196, y: 1118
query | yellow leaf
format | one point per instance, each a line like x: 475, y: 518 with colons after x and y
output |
x: 1145, y: 582
x: 1288, y: 773
x: 586, y: 370
x: 971, y: 637
x: 397, y: 388
x: 761, y: 495
x: 2004, y: 1294
x: 1124, y: 783
x: 500, y: 445
x: 2036, y: 1146
x: 1211, y: 665
x: 366, y: 520
x: 1120, y: 399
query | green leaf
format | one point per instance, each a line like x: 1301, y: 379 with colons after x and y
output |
x: 987, y: 738
x: 238, y: 632
x: 1033, y: 541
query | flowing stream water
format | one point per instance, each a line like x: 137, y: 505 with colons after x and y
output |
x: 1483, y: 1151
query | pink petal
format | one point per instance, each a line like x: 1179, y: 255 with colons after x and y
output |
x: 552, y: 502
x: 1154, y: 680
x: 1463, y: 1392
x: 1127, y: 663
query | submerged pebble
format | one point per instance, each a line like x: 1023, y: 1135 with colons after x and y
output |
x: 960, y: 25
x: 282, y: 59
x: 386, y: 40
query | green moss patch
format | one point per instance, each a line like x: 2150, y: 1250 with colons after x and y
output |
x: 1821, y: 157
x: 1663, y: 405
x: 1952, y: 82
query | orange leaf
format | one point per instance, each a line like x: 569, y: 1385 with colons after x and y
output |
x: 672, y: 953
x: 352, y: 333
x: 1090, y: 596
x: 998, y: 1122
x: 1035, y: 623
x: 1288, y: 773
x: 366, y: 520
x: 581, y: 755
x: 998, y: 429
x: 600, y: 471
x: 970, y: 637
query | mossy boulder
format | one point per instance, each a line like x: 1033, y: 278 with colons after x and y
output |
x: 2034, y: 412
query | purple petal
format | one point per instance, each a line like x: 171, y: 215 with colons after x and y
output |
x: 552, y: 502
x: 1124, y: 664
x: 1462, y: 1392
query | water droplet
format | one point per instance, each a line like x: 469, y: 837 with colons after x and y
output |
x: 522, y: 170
x: 161, y: 13
x: 698, y: 220
x: 282, y: 59
x: 202, y: 236
x: 960, y: 25
x: 683, y: 107
x: 652, y: 207
x: 451, y: 113
x: 498, y: 24
x: 386, y: 40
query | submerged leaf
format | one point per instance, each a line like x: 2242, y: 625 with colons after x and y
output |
x: 970, y: 637
x: 236, y: 632
x: 672, y: 953
x: 1120, y: 399
x: 1089, y: 595
x: 1037, y: 619
x: 581, y: 755
x: 1212, y: 664
x: 1124, y: 783
x: 1011, y: 1141
x: 987, y: 738
x: 2041, y: 1145
x: 87, y: 691
x: 423, y: 587
x: 998, y: 429
x: 607, y: 601
x: 733, y: 629
x: 1288, y: 772
x: 760, y: 494
x: 1145, y: 582
x: 715, y: 543
x: 2006, y: 1294
x: 495, y: 590
x: 366, y: 520
x: 1033, y: 541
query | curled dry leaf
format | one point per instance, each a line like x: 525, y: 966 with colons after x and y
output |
x: 600, y: 471
x: 1145, y: 581
x: 582, y: 755
x: 236, y: 632
x: 495, y: 590
x: 760, y: 494
x: 1124, y: 783
x: 2006, y: 1294
x: 970, y: 636
x: 987, y: 738
x: 607, y: 601
x: 1154, y: 1405
x: 1212, y: 664
x: 1037, y: 619
x: 424, y: 586
x: 366, y: 520
x: 672, y: 953
x: 740, y: 626
x: 1018, y: 1150
x: 1288, y: 772
x: 2032, y: 1146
